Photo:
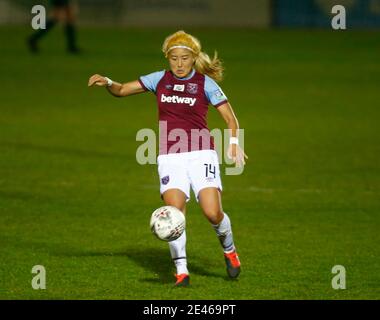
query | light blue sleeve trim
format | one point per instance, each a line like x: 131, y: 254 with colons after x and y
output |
x: 214, y: 93
x: 151, y: 80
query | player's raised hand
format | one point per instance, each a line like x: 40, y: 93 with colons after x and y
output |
x: 97, y: 80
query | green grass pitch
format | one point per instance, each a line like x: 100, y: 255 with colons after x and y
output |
x: 74, y: 199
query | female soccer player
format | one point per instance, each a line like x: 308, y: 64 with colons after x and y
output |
x: 183, y: 95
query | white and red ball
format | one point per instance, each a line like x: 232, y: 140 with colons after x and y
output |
x: 167, y: 223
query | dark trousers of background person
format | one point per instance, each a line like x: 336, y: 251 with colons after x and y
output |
x: 61, y: 10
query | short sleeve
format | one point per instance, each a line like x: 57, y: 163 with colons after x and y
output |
x: 214, y: 93
x: 149, y: 82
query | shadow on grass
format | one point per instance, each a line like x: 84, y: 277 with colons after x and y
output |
x: 153, y: 260
x: 158, y: 262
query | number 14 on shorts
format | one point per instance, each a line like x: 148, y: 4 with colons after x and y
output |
x: 210, y: 170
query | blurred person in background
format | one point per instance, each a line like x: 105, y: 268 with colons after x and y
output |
x: 61, y: 11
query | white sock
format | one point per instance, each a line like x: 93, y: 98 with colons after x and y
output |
x: 178, y: 253
x: 224, y: 233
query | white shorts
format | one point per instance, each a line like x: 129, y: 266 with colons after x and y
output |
x: 198, y: 169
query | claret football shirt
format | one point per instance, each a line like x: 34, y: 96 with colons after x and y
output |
x: 182, y: 109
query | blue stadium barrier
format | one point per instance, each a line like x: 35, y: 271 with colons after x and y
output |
x: 317, y: 13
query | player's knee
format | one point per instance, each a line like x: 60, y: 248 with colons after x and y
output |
x: 215, y: 216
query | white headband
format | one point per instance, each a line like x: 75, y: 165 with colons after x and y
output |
x: 182, y: 47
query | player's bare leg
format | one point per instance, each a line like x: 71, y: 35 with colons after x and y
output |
x: 176, y: 198
x: 211, y: 204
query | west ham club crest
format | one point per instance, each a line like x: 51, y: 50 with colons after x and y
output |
x: 192, y: 88
x: 165, y: 180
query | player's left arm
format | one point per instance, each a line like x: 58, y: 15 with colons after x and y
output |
x: 234, y: 150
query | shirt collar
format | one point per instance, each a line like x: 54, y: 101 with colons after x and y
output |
x: 186, y: 78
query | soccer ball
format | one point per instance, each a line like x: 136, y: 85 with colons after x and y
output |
x: 167, y: 223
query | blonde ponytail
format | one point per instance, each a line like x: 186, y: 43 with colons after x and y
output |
x: 203, y: 64
x: 212, y: 67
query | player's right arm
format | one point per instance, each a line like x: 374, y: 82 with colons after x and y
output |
x: 116, y: 89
